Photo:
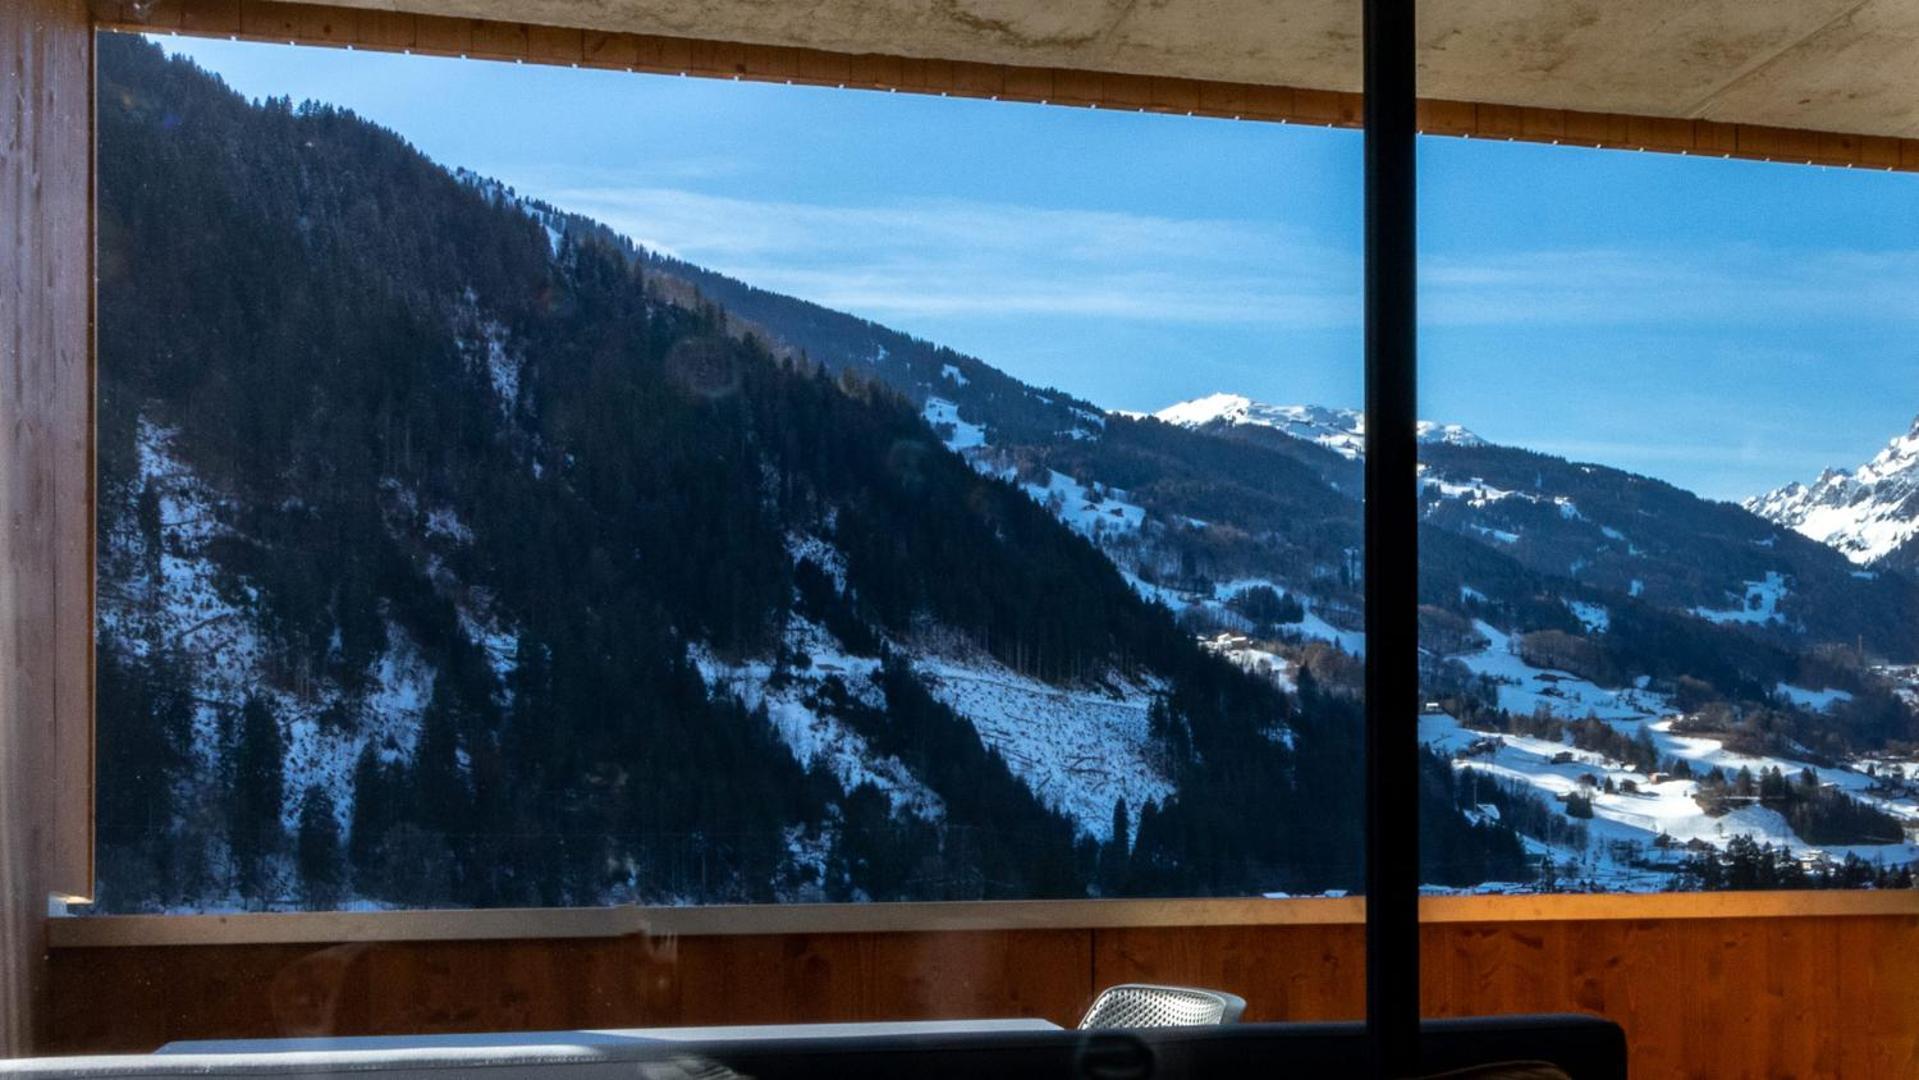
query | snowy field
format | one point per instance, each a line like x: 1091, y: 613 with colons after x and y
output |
x: 1523, y: 688
x: 1312, y: 627
x: 1625, y: 824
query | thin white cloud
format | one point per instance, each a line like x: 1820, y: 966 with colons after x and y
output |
x: 1701, y: 284
x: 944, y: 258
x: 947, y: 258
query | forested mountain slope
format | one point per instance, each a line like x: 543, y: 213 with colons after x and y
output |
x: 1697, y: 649
x: 1697, y: 634
x: 449, y: 557
x: 1590, y: 525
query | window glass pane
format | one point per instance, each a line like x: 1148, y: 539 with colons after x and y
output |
x: 1666, y: 592
x: 526, y: 486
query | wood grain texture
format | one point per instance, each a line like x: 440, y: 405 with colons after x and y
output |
x: 1740, y: 997
x: 46, y: 397
x: 1795, y: 996
x: 1283, y: 972
x: 135, y: 999
x: 320, y: 24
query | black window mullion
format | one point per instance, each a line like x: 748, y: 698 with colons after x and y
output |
x: 1391, y: 557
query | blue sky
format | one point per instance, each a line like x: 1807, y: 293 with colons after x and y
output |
x: 1724, y: 325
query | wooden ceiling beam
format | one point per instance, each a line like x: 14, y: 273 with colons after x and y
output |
x: 484, y: 39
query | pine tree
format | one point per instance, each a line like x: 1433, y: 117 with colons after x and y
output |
x: 322, y: 864
x: 144, y: 715
x: 254, y: 805
x: 438, y: 784
x: 372, y: 814
x: 1115, y: 856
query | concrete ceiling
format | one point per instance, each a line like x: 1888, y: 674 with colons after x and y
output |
x: 1849, y: 66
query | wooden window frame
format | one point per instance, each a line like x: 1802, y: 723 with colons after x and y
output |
x: 484, y: 924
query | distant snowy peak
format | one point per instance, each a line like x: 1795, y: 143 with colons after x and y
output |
x: 1432, y: 431
x: 1864, y: 514
x: 1342, y: 431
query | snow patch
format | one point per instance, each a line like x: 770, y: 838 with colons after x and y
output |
x: 446, y: 525
x: 821, y: 554
x: 1248, y: 656
x: 944, y: 417
x: 1089, y: 511
x: 1760, y: 603
x: 1596, y: 618
x: 813, y: 735
x: 486, y: 344
x: 1078, y: 749
x: 1500, y: 535
x: 1816, y: 700
x: 1524, y: 689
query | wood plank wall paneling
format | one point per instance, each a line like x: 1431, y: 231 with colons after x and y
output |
x: 320, y: 24
x: 134, y: 999
x: 1283, y: 972
x: 1817, y: 996
x: 46, y: 469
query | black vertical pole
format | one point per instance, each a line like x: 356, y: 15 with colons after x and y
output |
x: 1392, y: 556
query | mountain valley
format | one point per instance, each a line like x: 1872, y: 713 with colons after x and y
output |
x: 456, y: 550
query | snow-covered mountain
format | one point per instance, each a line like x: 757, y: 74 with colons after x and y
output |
x: 632, y: 589
x: 1867, y: 514
x: 1342, y: 431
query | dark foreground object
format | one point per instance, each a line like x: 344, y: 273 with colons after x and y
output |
x: 1583, y: 1047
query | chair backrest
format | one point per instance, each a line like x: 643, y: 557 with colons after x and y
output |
x: 1139, y: 1005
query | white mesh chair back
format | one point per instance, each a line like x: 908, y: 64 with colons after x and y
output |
x: 1138, y: 1005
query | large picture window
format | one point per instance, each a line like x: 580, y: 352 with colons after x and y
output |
x: 674, y: 491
